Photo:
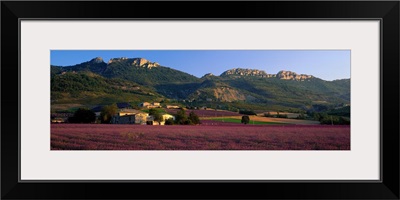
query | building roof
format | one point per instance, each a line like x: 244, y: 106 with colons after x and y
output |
x: 127, y: 110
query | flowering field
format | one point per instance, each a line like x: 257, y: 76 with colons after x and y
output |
x: 215, y: 136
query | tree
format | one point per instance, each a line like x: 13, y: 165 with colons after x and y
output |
x: 107, y: 112
x: 169, y: 121
x: 180, y: 117
x: 158, y: 117
x: 83, y: 115
x: 188, y: 122
x: 153, y: 111
x: 194, y: 118
x: 245, y: 119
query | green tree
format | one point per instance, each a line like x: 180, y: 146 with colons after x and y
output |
x: 316, y: 116
x: 107, y: 112
x: 180, y: 117
x: 153, y: 111
x: 158, y: 117
x: 169, y: 121
x: 245, y: 119
x: 188, y: 122
x: 194, y: 118
x: 83, y: 115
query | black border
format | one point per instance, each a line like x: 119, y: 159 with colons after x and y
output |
x: 387, y: 11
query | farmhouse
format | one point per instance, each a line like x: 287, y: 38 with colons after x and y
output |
x: 141, y: 118
x: 150, y: 105
x: 127, y: 111
x: 129, y: 116
x: 60, y: 117
x: 168, y: 116
x: 150, y: 119
x: 57, y: 120
x: 172, y: 107
x: 144, y: 104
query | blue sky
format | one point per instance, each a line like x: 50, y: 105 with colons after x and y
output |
x: 325, y: 64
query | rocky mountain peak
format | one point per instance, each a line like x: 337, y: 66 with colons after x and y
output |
x: 117, y: 60
x: 97, y: 60
x: 137, y: 62
x: 284, y: 75
x: 245, y: 72
x: 208, y: 75
x: 141, y: 62
x: 288, y: 75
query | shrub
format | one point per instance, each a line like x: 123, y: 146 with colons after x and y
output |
x: 188, y: 122
x: 180, y: 117
x: 194, y: 118
x: 107, y: 112
x: 158, y: 117
x: 169, y: 121
x: 245, y: 119
x: 83, y: 115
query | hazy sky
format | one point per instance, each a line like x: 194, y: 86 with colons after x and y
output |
x: 326, y: 64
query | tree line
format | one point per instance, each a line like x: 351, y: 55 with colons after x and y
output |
x: 84, y: 115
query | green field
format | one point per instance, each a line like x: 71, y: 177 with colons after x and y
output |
x: 232, y: 120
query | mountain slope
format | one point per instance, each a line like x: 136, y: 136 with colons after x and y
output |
x: 90, y: 88
x: 116, y: 80
x: 138, y: 70
x: 96, y: 65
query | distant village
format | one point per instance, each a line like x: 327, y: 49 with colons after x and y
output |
x: 126, y: 114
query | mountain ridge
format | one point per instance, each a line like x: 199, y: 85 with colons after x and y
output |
x: 142, y: 62
x: 237, y: 86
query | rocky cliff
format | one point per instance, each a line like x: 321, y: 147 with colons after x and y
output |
x: 288, y: 75
x: 245, y: 72
x: 97, y: 60
x: 141, y: 62
x: 138, y: 62
x: 285, y: 75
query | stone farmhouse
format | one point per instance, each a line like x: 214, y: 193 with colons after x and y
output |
x: 173, y: 107
x: 150, y: 119
x: 130, y: 116
x: 150, y: 105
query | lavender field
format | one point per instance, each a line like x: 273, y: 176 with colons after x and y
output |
x: 218, y: 136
